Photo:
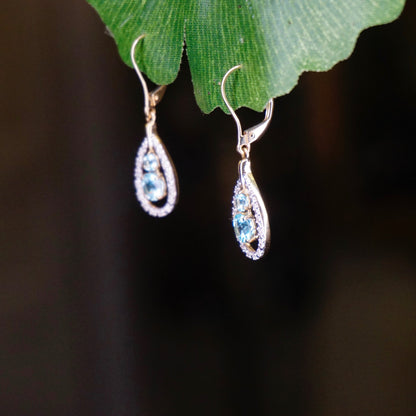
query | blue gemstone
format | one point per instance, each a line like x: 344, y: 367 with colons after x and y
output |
x: 244, y: 228
x: 242, y: 202
x: 150, y: 162
x: 154, y: 186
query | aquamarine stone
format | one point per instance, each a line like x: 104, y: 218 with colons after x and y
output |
x: 242, y: 202
x: 154, y: 186
x: 244, y: 228
x: 150, y: 162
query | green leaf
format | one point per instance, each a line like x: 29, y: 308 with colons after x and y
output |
x: 274, y: 40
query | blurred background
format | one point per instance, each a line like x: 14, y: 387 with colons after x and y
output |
x: 107, y: 311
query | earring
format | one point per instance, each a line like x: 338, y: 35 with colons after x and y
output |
x: 249, y: 214
x: 155, y: 176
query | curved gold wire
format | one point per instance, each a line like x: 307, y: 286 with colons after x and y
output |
x: 139, y: 74
x: 224, y: 97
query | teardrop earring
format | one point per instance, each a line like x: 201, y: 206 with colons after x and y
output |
x: 249, y: 214
x: 155, y: 177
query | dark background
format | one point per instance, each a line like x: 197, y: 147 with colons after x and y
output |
x: 106, y: 311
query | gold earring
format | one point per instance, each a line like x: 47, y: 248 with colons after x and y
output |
x: 249, y: 214
x: 155, y: 177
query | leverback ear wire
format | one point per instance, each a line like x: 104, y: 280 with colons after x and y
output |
x: 150, y: 99
x: 252, y: 134
x: 139, y: 74
x: 224, y: 97
x: 250, y: 219
x: 155, y: 180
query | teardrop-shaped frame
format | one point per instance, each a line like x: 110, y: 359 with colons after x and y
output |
x: 168, y: 171
x: 246, y: 181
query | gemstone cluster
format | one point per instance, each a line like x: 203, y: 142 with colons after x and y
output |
x: 153, y: 182
x: 155, y: 178
x: 247, y: 218
x: 243, y: 221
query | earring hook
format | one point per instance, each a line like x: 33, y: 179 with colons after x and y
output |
x: 253, y: 133
x: 224, y: 97
x: 150, y: 99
